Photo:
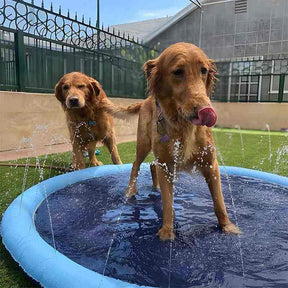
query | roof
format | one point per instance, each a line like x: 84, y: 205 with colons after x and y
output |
x: 172, y: 20
x: 141, y: 29
x: 149, y: 29
x: 179, y: 16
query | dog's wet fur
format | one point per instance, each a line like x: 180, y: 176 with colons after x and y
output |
x: 82, y: 99
x: 180, y: 81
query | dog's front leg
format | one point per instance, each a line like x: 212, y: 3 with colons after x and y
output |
x: 165, y: 178
x: 91, y: 147
x: 78, y: 158
x: 212, y: 177
x: 154, y: 175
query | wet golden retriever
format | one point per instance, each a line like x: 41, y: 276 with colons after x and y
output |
x: 81, y: 98
x: 178, y: 115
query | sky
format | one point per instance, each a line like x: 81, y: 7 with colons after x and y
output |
x: 118, y: 11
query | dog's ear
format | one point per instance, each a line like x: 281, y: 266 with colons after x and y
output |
x: 211, y: 78
x: 59, y: 92
x: 148, y: 66
x: 95, y: 87
x: 152, y: 74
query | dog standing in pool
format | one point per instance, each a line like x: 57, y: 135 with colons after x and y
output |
x: 82, y: 99
x: 178, y: 114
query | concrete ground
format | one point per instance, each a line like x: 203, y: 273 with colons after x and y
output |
x: 43, y: 150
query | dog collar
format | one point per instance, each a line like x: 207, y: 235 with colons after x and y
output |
x: 161, y: 125
x: 91, y: 123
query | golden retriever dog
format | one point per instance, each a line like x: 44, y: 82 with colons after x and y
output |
x: 178, y: 114
x: 81, y: 98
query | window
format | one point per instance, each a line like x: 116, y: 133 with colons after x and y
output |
x: 274, y: 81
x: 244, y: 88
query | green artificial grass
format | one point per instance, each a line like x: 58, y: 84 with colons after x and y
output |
x: 255, y: 152
x: 255, y: 155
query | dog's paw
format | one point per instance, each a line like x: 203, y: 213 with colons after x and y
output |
x: 156, y: 186
x: 166, y: 234
x: 230, y: 228
x: 96, y: 163
x: 131, y: 191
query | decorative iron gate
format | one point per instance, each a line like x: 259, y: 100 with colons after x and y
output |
x: 37, y: 46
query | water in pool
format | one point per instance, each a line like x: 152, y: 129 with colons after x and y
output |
x: 91, y: 216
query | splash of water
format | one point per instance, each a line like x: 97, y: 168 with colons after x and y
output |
x: 242, y: 143
x: 215, y: 136
x: 281, y: 159
x: 29, y: 143
x: 234, y: 211
x: 176, y: 151
x: 170, y: 175
x: 41, y: 178
x: 270, y: 150
x: 111, y: 243
x: 24, y: 182
x: 112, y: 239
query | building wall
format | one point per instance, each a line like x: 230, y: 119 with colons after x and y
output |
x: 31, y: 120
x: 262, y: 31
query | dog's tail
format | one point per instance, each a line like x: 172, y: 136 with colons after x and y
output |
x: 120, y: 111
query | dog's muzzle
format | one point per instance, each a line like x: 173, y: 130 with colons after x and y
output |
x: 204, y: 116
x: 73, y: 102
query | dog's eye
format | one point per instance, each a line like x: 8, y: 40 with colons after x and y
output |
x: 203, y: 70
x: 65, y: 87
x: 178, y: 72
x: 81, y: 86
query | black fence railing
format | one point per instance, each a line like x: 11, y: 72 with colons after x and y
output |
x: 38, y: 46
x: 252, y: 80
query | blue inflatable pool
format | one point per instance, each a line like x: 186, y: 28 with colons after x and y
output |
x: 77, y: 230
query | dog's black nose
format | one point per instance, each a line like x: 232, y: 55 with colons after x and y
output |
x: 74, y: 102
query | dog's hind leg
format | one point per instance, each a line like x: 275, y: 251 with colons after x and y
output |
x: 143, y: 148
x: 110, y: 142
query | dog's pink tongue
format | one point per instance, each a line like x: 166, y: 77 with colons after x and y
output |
x: 206, y: 116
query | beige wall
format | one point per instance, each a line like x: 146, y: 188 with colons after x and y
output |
x: 252, y: 115
x: 34, y: 120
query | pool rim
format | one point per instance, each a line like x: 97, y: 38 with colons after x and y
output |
x: 48, y: 266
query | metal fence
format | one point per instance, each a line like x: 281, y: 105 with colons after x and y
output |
x: 252, y: 80
x: 38, y: 46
